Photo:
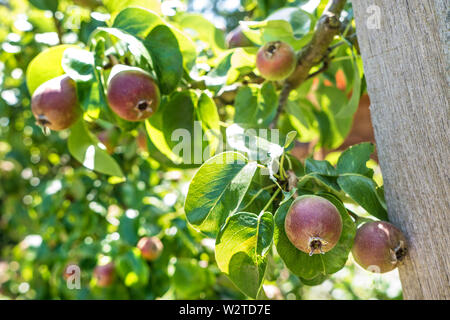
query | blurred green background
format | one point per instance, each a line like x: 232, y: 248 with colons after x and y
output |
x: 54, y: 212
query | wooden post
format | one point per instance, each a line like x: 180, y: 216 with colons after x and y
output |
x: 404, y: 46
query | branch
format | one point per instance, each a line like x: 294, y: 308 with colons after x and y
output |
x: 314, y: 52
x: 59, y: 29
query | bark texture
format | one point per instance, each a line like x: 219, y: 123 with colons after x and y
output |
x: 406, y: 66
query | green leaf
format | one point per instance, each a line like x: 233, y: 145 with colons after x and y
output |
x: 204, y: 30
x: 135, y: 46
x: 243, y: 62
x: 78, y: 64
x: 322, y: 167
x: 217, y: 77
x: 354, y: 159
x: 315, y: 281
x: 84, y: 147
x: 363, y: 191
x: 178, y: 123
x: 190, y: 280
x: 176, y: 133
x: 51, y: 5
x: 115, y: 6
x: 139, y: 22
x: 167, y: 58
x: 217, y: 190
x: 299, y: 20
x: 265, y: 149
x: 261, y: 32
x: 302, y: 119
x: 133, y: 269
x: 256, y: 106
x: 255, y: 199
x: 311, y: 267
x: 155, y: 131
x: 45, y: 66
x: 333, y: 130
x: 242, y: 247
x: 207, y: 114
x: 290, y: 137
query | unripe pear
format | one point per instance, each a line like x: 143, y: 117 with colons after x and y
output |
x: 150, y: 247
x: 276, y: 60
x: 132, y: 93
x: 55, y: 104
x: 237, y: 39
x: 313, y: 224
x: 104, y: 274
x: 379, y: 246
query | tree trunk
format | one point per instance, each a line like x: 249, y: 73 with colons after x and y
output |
x: 405, y: 60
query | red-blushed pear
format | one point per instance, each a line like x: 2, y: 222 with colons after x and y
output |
x: 132, y: 93
x: 55, y: 103
x: 276, y: 60
x: 379, y: 246
x: 237, y: 39
x: 104, y: 274
x: 313, y: 224
x: 150, y: 247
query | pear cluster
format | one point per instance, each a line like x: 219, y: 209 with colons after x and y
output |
x: 314, y: 226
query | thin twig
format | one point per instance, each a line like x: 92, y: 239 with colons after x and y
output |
x: 58, y: 27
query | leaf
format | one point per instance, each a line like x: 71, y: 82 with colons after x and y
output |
x: 154, y: 127
x: 78, y: 64
x: 354, y: 159
x: 363, y: 190
x: 204, y: 30
x: 333, y: 130
x: 261, y: 148
x: 217, y: 190
x: 178, y: 123
x: 256, y: 106
x: 315, y: 281
x: 302, y: 119
x: 84, y: 147
x: 217, y: 77
x: 190, y: 280
x: 242, y: 62
x: 290, y: 137
x: 322, y: 167
x: 135, y: 46
x: 133, y: 269
x: 51, y: 5
x: 45, y: 66
x: 299, y: 20
x: 242, y: 247
x: 176, y: 133
x: 115, y: 6
x: 207, y: 114
x: 311, y: 267
x: 167, y: 58
x: 273, y: 30
x: 139, y: 22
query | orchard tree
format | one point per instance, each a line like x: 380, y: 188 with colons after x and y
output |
x: 232, y: 109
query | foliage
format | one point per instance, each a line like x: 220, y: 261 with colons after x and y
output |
x: 73, y: 197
